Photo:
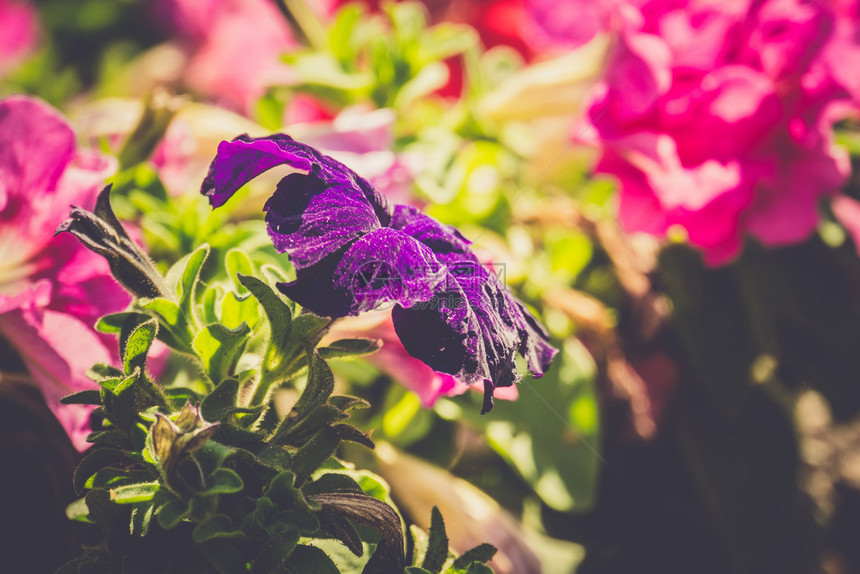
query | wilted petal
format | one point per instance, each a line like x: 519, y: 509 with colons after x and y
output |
x: 388, y: 266
x: 309, y: 218
x: 473, y: 327
x: 244, y: 158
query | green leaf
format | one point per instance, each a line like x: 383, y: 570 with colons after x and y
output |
x: 278, y: 314
x: 185, y: 275
x: 78, y: 510
x: 88, y: 397
x: 141, y: 518
x: 171, y: 514
x: 274, y: 553
x: 137, y: 345
x: 350, y: 348
x: 309, y: 559
x: 221, y: 402
x: 219, y: 348
x: 114, y: 437
x: 480, y: 553
x: 347, y: 403
x: 95, y: 460
x: 112, y: 323
x: 437, y: 545
x: 103, y: 371
x: 237, y: 310
x: 217, y: 526
x: 295, y: 434
x: 417, y: 570
x: 321, y: 446
x: 131, y: 493
x: 176, y: 332
x: 224, y: 481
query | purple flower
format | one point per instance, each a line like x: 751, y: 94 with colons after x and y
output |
x: 352, y: 252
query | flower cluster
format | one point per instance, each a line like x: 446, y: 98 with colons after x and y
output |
x: 352, y: 252
x: 717, y: 118
x: 52, y: 290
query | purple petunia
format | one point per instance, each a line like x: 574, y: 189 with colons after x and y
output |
x: 352, y: 252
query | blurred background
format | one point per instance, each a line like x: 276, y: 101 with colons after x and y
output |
x: 671, y: 186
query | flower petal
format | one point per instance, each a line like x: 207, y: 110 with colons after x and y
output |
x: 309, y: 218
x: 388, y: 266
x: 244, y: 158
x: 473, y: 327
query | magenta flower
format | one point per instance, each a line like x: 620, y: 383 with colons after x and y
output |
x: 233, y: 47
x: 19, y: 30
x: 717, y: 118
x: 353, y: 252
x: 52, y: 290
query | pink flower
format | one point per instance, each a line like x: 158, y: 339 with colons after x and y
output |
x: 52, y: 290
x: 717, y: 118
x: 19, y: 30
x: 234, y: 47
x: 393, y: 360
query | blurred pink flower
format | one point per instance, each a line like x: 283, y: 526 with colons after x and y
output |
x: 234, y: 47
x: 364, y: 138
x: 19, y: 30
x: 52, y: 290
x: 717, y: 117
x: 393, y: 360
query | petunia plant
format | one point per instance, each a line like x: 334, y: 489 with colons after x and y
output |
x: 221, y: 472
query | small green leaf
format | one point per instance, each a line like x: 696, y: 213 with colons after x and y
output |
x: 112, y: 324
x: 78, y: 510
x: 479, y: 568
x: 172, y: 513
x: 221, y: 402
x: 88, y: 397
x: 176, y: 332
x: 217, y: 526
x: 141, y: 518
x: 209, y: 304
x: 309, y: 559
x: 95, y: 460
x: 224, y: 481
x: 137, y: 345
x: 237, y: 262
x: 103, y: 371
x: 219, y: 348
x: 480, y: 553
x: 185, y: 274
x: 131, y: 493
x: 347, y: 403
x: 278, y: 314
x: 350, y: 348
x: 237, y: 310
x: 274, y: 553
x: 437, y: 545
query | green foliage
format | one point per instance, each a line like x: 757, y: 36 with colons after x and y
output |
x: 234, y: 483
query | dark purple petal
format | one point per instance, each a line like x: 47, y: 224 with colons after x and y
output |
x: 241, y: 160
x: 309, y: 218
x: 388, y: 266
x: 314, y: 289
x: 477, y: 326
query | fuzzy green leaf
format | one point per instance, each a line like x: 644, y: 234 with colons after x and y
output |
x: 131, y: 493
x: 350, y: 348
x: 437, y: 545
x: 137, y: 345
x: 217, y: 526
x: 219, y: 348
